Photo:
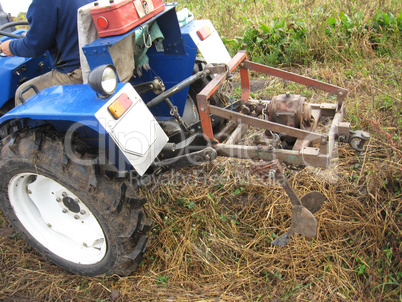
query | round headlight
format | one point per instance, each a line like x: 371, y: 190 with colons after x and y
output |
x: 103, y: 80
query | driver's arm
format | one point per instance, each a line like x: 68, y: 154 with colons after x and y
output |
x: 42, y: 17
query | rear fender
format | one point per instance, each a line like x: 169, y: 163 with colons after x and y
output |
x: 133, y: 139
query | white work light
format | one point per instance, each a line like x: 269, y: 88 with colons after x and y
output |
x: 103, y: 80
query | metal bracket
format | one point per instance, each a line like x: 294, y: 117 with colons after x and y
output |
x: 357, y: 140
x: 190, y: 159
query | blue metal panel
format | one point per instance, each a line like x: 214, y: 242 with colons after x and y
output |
x: 61, y: 106
x: 173, y: 65
x: 171, y: 68
x: 16, y: 70
x: 97, y: 52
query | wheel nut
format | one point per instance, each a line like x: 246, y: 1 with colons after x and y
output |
x: 65, y: 210
x: 64, y: 194
x: 77, y: 217
x: 82, y: 212
x: 58, y: 199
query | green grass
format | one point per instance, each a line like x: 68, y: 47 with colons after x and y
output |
x: 293, y: 32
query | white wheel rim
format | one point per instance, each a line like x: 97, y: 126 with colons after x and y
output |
x: 57, y: 218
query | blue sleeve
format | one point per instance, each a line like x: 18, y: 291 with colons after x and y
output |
x: 42, y: 17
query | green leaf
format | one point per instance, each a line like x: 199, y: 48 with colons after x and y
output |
x: 265, y: 29
x: 331, y: 21
x: 162, y: 280
x: 346, y: 21
x: 238, y: 191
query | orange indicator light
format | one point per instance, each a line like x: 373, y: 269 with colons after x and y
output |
x: 204, y: 32
x: 119, y: 106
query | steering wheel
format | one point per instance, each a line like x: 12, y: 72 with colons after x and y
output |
x: 9, y: 24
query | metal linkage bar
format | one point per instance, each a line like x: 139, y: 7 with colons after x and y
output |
x: 260, y: 123
x: 208, y: 91
x: 306, y: 157
x: 338, y: 91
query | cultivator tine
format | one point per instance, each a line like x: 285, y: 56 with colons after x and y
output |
x: 313, y: 201
x: 303, y: 220
x: 303, y: 223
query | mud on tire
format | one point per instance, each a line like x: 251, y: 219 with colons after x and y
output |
x: 71, y: 213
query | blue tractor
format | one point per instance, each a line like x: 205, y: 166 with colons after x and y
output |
x: 72, y: 156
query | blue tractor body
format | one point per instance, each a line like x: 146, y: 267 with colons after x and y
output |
x: 63, y: 106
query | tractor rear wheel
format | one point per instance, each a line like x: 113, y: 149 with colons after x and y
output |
x: 69, y: 212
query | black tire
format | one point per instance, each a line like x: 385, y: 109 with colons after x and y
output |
x: 40, y: 154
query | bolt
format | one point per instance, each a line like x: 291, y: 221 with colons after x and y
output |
x: 84, y: 244
x: 324, y: 139
x: 65, y: 210
x: 49, y: 225
x: 202, y: 109
x: 29, y: 191
x: 76, y: 217
x: 58, y: 199
x: 82, y: 212
x: 64, y: 194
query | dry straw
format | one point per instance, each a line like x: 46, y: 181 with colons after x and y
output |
x: 213, y: 228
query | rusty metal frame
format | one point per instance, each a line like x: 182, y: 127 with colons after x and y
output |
x: 302, y: 152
